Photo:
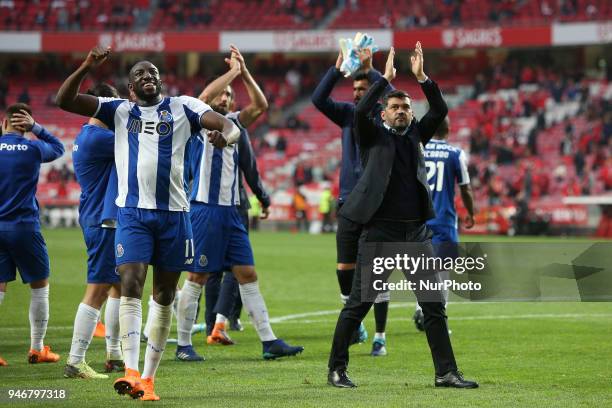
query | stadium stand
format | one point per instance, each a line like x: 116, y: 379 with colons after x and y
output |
x: 532, y: 136
x: 178, y: 15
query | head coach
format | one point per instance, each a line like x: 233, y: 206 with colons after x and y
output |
x: 392, y: 200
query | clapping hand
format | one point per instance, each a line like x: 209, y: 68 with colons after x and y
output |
x: 389, y: 67
x: 416, y: 62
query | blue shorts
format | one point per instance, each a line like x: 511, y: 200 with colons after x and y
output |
x: 221, y: 240
x: 443, y: 233
x: 444, y: 240
x: 100, y: 243
x: 155, y: 237
x: 26, y: 251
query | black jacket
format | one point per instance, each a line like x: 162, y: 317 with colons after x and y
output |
x: 378, y: 152
x: 343, y: 115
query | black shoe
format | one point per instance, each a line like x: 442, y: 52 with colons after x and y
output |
x: 339, y: 378
x: 114, y: 366
x: 419, y: 320
x: 454, y: 379
x: 236, y: 325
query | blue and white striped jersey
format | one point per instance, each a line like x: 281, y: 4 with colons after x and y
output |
x: 151, y: 149
x: 445, y: 165
x: 215, y: 171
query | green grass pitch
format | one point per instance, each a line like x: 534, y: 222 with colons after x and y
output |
x: 523, y: 354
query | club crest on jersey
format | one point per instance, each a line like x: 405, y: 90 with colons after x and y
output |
x: 165, y: 116
x: 203, y: 260
x: 120, y: 251
x: 164, y: 127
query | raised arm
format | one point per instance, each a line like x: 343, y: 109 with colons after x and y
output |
x: 50, y: 146
x: 321, y: 99
x: 68, y: 97
x: 216, y: 87
x: 437, y: 106
x: 248, y: 166
x: 365, y: 56
x: 259, y: 103
x: 365, y: 128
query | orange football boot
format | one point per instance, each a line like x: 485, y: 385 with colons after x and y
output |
x: 100, y: 330
x: 43, y: 356
x: 130, y: 384
x: 3, y: 362
x: 219, y: 336
x: 149, y: 390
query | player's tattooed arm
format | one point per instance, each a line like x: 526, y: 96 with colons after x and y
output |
x: 68, y: 97
x: 221, y: 131
x: 259, y: 103
x: 217, y: 86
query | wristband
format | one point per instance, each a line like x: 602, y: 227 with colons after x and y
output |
x: 36, y: 129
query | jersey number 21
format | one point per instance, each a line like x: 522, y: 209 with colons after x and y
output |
x: 432, y: 169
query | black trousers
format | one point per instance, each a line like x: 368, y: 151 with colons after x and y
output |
x: 355, y: 309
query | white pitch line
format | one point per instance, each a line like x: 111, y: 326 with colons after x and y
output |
x: 483, y: 317
x: 298, y: 318
x: 394, y: 305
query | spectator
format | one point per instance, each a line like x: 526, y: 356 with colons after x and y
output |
x: 254, y: 212
x: 54, y: 175
x: 294, y: 79
x: 300, y: 208
x: 66, y: 175
x: 545, y: 9
x: 62, y: 19
x: 326, y: 203
x: 24, y: 96
x: 40, y: 18
x: 605, y: 174
x: 566, y: 147
x: 281, y: 145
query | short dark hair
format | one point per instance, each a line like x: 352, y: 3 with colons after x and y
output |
x: 131, y: 71
x: 443, y: 129
x: 395, y: 94
x: 16, y: 108
x: 362, y: 76
x: 103, y: 90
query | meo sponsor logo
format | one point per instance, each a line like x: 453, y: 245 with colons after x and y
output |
x: 12, y: 147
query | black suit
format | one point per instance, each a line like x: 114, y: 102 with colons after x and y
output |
x: 379, y: 148
x: 378, y: 151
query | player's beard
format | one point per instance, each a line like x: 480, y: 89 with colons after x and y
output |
x: 152, y: 97
x: 220, y: 110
